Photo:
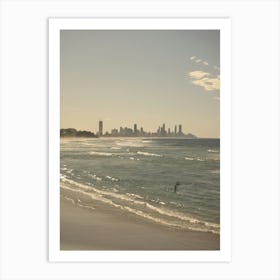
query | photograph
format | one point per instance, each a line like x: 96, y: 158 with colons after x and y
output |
x: 140, y: 139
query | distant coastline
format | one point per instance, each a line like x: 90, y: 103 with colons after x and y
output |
x: 72, y: 132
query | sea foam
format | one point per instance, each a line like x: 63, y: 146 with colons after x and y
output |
x: 136, y: 204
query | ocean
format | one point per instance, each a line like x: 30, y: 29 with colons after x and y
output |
x: 138, y: 176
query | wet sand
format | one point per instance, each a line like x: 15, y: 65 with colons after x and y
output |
x: 108, y: 228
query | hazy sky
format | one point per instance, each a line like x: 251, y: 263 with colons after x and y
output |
x: 144, y: 77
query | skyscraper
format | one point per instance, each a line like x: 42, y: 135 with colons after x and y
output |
x: 175, y: 130
x: 180, y: 129
x: 100, y: 132
x: 163, y: 132
x: 135, y: 128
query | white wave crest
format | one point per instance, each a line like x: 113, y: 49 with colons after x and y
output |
x: 212, y: 151
x: 189, y: 158
x: 148, y: 154
x: 100, y: 154
x: 112, y: 179
x: 134, y: 195
x: 126, y: 143
x: 176, y: 219
x: 95, y: 177
x: 94, y: 190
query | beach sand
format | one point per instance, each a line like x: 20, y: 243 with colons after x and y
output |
x: 108, y: 228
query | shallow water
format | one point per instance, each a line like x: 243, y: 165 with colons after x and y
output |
x: 138, y: 175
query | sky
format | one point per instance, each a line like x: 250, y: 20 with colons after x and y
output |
x: 147, y: 77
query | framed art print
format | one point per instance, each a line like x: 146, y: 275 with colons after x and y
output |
x: 139, y: 139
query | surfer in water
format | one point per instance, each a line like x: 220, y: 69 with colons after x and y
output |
x: 175, y: 187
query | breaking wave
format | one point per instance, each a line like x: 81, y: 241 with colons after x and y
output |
x: 148, y: 154
x: 212, y: 151
x: 100, y: 154
x: 134, y: 204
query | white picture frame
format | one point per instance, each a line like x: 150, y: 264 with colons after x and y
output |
x: 55, y: 28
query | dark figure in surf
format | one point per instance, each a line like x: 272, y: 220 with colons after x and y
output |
x: 175, y: 187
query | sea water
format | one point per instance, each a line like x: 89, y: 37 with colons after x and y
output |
x: 138, y: 176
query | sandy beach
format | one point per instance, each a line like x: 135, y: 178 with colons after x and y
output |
x: 106, y: 228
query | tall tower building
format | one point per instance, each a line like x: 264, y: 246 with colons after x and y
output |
x: 175, y: 129
x: 100, y: 131
x: 180, y: 129
x: 163, y: 129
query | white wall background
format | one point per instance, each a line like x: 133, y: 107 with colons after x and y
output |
x: 255, y: 139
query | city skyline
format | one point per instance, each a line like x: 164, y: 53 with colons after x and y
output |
x: 142, y: 77
x: 139, y: 131
x: 134, y: 131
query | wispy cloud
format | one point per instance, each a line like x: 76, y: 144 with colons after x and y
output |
x: 206, y: 80
x: 198, y: 60
x: 209, y: 84
x: 198, y: 74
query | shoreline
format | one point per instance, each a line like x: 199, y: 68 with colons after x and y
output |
x: 103, y: 227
